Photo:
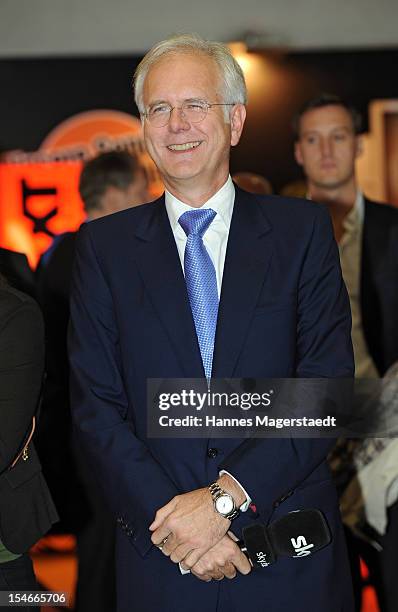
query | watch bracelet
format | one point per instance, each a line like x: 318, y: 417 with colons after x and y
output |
x: 216, y: 491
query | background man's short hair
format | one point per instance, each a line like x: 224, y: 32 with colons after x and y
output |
x: 111, y: 169
x: 326, y: 99
x: 233, y: 86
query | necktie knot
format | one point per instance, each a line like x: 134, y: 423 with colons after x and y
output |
x: 196, y: 221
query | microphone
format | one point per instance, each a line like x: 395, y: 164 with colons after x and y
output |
x: 257, y: 545
x: 298, y: 534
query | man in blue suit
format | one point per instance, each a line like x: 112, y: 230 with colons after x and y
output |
x: 206, y: 281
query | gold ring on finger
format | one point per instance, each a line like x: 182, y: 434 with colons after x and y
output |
x: 163, y: 542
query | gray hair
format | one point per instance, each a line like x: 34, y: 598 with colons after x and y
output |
x: 233, y: 86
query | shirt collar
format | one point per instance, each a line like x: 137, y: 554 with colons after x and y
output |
x: 360, y: 206
x: 222, y: 202
x: 357, y: 211
x: 354, y: 220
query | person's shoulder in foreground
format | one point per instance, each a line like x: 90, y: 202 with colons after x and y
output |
x: 14, y: 301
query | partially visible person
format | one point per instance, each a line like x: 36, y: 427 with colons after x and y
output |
x: 15, y: 268
x: 253, y: 183
x: 327, y: 146
x: 110, y: 182
x: 26, y: 508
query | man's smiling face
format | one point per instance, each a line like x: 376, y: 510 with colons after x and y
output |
x: 190, y: 154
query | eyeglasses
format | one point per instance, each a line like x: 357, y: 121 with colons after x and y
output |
x: 193, y: 111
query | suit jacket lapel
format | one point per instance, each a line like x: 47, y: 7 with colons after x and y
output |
x: 248, y: 256
x: 375, y: 245
x: 160, y: 267
x: 365, y: 271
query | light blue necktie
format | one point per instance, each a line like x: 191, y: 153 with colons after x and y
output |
x: 200, y: 277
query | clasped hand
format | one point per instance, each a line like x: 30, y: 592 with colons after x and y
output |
x: 196, y: 537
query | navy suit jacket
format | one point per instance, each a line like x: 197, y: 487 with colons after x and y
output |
x: 283, y: 313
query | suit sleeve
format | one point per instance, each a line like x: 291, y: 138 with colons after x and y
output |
x: 21, y: 372
x: 134, y: 483
x: 269, y: 469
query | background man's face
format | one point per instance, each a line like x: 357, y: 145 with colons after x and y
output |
x: 137, y: 192
x: 115, y: 199
x: 205, y: 156
x: 327, y: 146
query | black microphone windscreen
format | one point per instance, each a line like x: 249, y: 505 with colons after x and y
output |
x: 258, y: 545
x: 299, y: 533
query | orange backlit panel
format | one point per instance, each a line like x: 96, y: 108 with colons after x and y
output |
x: 38, y: 201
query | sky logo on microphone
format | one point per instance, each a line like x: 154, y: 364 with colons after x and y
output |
x: 301, y: 548
x: 262, y: 559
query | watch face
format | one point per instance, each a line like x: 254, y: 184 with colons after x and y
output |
x: 224, y: 504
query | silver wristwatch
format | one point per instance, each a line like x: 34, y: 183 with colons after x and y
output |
x: 223, y: 502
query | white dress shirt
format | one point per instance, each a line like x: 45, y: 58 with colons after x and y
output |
x: 215, y: 240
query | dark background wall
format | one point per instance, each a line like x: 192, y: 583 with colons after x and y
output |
x: 38, y: 94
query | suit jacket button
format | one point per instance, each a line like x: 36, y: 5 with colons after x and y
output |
x: 212, y: 453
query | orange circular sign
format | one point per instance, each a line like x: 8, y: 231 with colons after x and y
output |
x: 90, y: 129
x: 87, y: 134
